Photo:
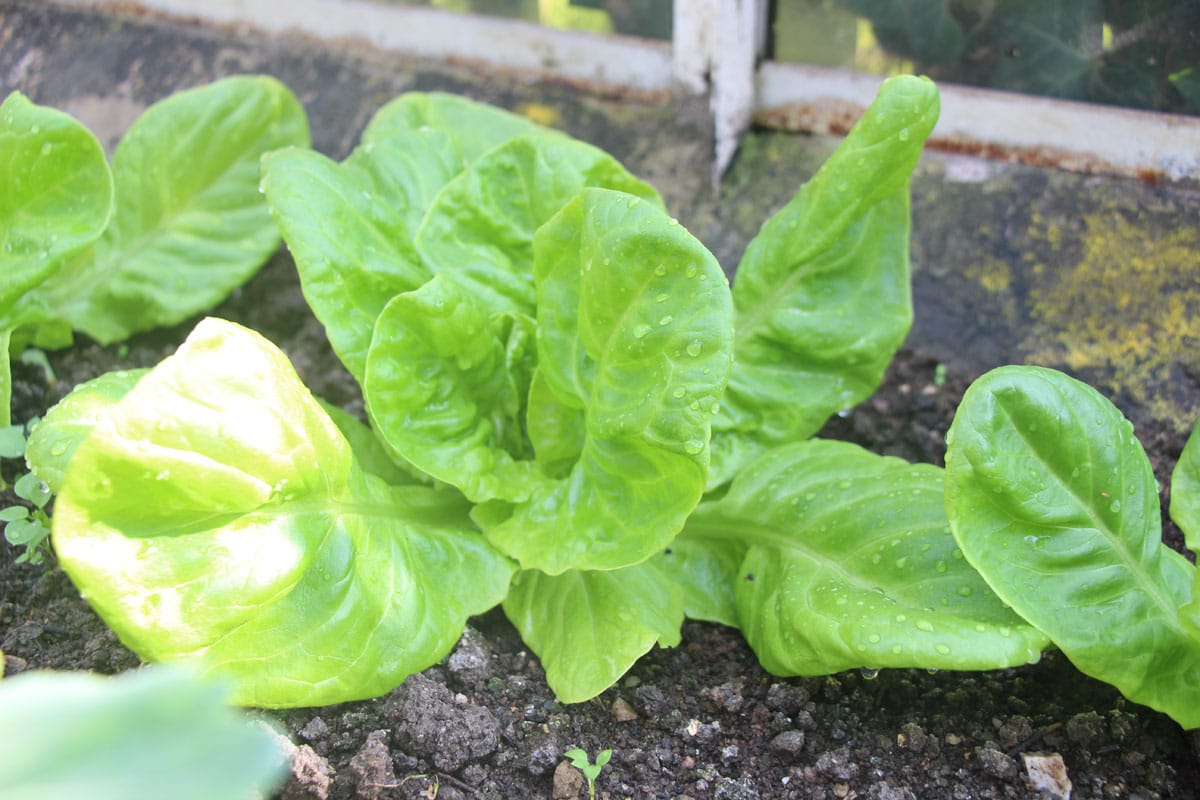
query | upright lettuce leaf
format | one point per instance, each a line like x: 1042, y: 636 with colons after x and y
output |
x: 189, y: 225
x: 349, y: 227
x: 1053, y: 500
x: 822, y: 294
x: 215, y: 513
x: 57, y: 199
x: 588, y: 628
x: 1185, y: 492
x: 58, y: 194
x: 848, y: 562
x: 482, y: 224
x: 151, y: 733
x: 474, y: 127
x: 633, y: 334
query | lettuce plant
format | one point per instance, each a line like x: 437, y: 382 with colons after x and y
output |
x: 168, y: 230
x: 571, y: 412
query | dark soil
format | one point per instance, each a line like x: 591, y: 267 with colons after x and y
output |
x: 700, y: 720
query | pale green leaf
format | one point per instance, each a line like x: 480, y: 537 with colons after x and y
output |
x: 588, y: 628
x: 1053, y: 500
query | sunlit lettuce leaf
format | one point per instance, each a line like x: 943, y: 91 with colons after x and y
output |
x: 1053, y: 500
x: 633, y: 332
x: 482, y: 224
x: 1185, y: 492
x: 474, y: 127
x: 189, y: 223
x: 822, y: 294
x: 53, y: 441
x: 216, y: 514
x: 849, y: 562
x: 349, y: 227
x: 588, y: 628
x: 153, y: 733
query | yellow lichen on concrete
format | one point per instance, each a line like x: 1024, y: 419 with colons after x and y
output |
x: 1129, y: 309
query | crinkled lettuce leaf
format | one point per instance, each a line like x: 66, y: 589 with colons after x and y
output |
x: 1054, y: 502
x: 217, y: 514
x: 822, y: 294
x: 847, y: 561
x: 632, y: 350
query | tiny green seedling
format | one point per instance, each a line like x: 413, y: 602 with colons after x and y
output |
x: 24, y: 526
x: 579, y: 760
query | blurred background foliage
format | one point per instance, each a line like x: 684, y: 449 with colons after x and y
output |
x: 1137, y: 53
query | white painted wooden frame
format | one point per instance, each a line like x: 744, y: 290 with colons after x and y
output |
x: 715, y: 52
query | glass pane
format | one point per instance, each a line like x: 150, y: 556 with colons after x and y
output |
x: 646, y: 18
x: 1136, y: 53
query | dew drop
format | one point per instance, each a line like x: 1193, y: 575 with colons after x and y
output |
x: 873, y: 638
x: 901, y: 618
x: 942, y: 648
x: 695, y: 346
x: 690, y: 271
x: 163, y: 475
x: 901, y: 562
x: 662, y: 297
x: 1115, y: 506
x: 965, y: 591
x: 640, y: 331
x: 897, y: 649
x: 58, y: 449
x: 693, y: 447
x: 869, y: 673
x: 660, y: 270
x: 925, y: 625
x: 667, y: 320
x: 903, y: 135
x: 679, y: 391
x: 47, y: 148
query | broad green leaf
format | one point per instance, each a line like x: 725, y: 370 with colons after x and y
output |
x: 474, y: 127
x: 849, y: 562
x: 53, y: 441
x: 588, y: 628
x: 822, y: 293
x: 633, y: 331
x: 349, y: 227
x: 217, y: 514
x: 441, y: 394
x: 57, y: 198
x: 153, y: 733
x: 189, y: 224
x: 1185, y: 492
x: 482, y: 223
x: 1053, y: 500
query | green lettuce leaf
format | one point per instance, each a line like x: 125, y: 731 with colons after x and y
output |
x: 822, y: 294
x: 349, y: 227
x: 1053, y: 500
x: 1185, y: 492
x: 142, y: 735
x: 474, y: 127
x: 849, y: 562
x: 189, y: 225
x: 217, y: 514
x: 482, y: 224
x: 633, y: 332
x: 54, y: 439
x: 588, y: 628
x: 58, y: 194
